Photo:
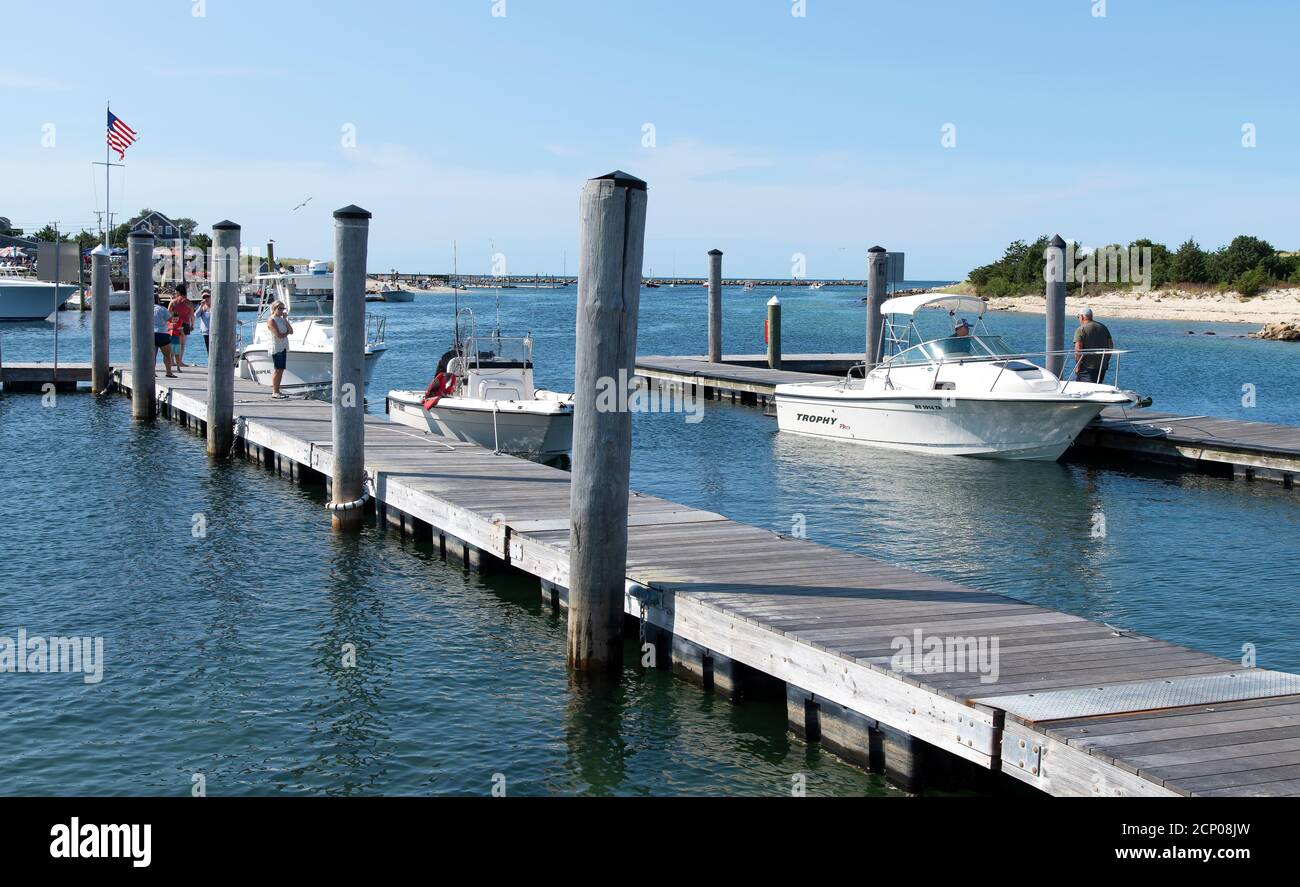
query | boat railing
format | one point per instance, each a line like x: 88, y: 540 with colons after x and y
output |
x: 1104, y: 353
x: 926, y: 358
x: 376, y: 329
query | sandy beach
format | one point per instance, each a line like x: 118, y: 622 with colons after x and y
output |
x: 377, y: 286
x: 1273, y: 306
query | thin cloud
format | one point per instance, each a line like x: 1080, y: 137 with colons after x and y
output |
x: 11, y: 80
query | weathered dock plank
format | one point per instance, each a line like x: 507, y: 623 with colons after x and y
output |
x: 828, y: 623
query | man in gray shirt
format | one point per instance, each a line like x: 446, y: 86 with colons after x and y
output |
x: 1091, y: 336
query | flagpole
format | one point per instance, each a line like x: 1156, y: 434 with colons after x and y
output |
x: 108, y: 183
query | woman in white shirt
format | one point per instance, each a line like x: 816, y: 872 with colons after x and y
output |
x: 203, y: 320
x: 281, y: 329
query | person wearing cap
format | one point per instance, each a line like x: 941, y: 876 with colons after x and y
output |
x: 961, y: 342
x: 1091, y: 336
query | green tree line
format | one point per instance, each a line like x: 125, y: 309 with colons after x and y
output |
x: 1247, y: 265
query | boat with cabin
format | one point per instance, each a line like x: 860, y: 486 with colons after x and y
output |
x: 23, y: 297
x: 965, y: 393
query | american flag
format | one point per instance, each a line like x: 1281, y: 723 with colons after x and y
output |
x: 120, y: 136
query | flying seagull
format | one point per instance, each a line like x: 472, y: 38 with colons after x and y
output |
x: 301, y: 205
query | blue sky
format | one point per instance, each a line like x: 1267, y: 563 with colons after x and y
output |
x: 773, y: 134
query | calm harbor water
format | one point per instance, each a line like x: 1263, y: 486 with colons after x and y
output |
x: 223, y: 654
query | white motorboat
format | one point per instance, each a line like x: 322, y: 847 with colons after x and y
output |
x: 964, y: 395
x: 393, y: 293
x: 26, y: 298
x: 483, y: 393
x: 118, y: 300
x: 309, y: 297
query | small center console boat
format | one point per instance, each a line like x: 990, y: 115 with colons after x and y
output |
x: 483, y: 393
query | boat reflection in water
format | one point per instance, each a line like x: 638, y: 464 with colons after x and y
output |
x: 1043, y: 522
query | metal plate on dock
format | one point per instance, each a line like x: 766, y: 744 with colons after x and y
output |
x: 1084, y: 702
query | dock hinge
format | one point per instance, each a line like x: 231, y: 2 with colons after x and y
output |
x: 973, y: 732
x: 1025, y: 753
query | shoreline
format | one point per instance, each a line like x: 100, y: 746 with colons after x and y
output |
x: 1273, y: 306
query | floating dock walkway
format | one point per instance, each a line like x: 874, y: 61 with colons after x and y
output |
x: 1078, y: 708
x: 35, y: 376
x: 1226, y: 447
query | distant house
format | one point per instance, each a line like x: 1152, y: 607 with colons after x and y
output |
x: 157, y: 224
x: 7, y: 240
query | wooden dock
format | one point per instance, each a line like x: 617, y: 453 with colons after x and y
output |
x: 35, y: 376
x: 1077, y: 707
x: 1227, y: 447
x: 1249, y: 450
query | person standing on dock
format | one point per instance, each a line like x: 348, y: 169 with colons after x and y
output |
x: 185, y: 311
x: 1091, y: 336
x: 203, y: 320
x: 175, y: 334
x: 281, y: 329
x: 162, y: 339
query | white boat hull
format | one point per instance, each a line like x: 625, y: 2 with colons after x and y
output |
x: 31, y: 300
x: 305, y: 371
x: 1038, y: 429
x: 536, y: 429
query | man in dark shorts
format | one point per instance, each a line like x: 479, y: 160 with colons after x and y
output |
x: 1091, y: 336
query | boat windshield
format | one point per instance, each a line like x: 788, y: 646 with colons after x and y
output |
x: 953, y: 348
x: 499, y: 351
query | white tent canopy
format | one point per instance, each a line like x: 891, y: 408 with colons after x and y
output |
x: 950, y: 302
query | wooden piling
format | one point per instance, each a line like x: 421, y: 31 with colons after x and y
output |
x: 715, y: 305
x: 774, y: 333
x: 140, y: 256
x: 877, y: 264
x: 612, y: 240
x: 81, y: 284
x: 221, y: 356
x: 101, y: 287
x: 351, y: 235
x: 1054, y: 274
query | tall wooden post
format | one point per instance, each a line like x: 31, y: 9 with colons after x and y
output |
x: 351, y: 240
x: 1054, y: 274
x: 774, y: 333
x: 877, y: 266
x: 81, y: 282
x: 224, y: 271
x: 715, y: 305
x: 612, y: 213
x: 140, y: 255
x: 101, y: 295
